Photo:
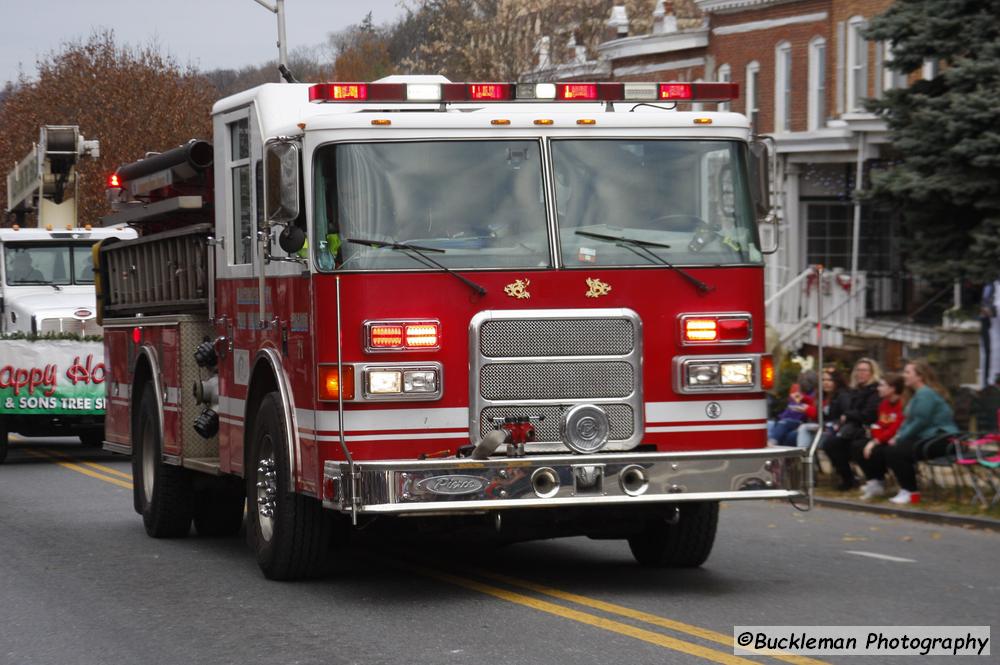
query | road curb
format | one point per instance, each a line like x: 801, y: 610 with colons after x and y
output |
x: 909, y: 513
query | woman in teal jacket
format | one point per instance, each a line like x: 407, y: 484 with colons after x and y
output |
x: 927, y: 414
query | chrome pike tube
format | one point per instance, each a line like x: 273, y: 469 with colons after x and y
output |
x: 340, y: 409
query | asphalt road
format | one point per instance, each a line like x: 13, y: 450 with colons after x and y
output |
x: 82, y: 584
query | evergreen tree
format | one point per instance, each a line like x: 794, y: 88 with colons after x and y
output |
x: 945, y: 134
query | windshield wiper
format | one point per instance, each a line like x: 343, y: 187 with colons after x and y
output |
x: 642, y: 248
x: 26, y: 282
x: 419, y: 255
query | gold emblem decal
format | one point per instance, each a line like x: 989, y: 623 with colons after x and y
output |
x: 518, y: 289
x: 597, y: 288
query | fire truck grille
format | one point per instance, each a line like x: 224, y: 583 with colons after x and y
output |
x: 543, y: 362
x: 521, y: 338
x: 564, y: 380
x: 620, y: 416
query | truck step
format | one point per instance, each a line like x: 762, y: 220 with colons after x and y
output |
x: 208, y: 465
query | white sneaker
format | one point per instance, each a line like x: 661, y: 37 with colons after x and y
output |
x: 904, y: 497
x: 872, y: 489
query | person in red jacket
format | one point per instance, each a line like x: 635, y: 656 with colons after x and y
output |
x: 871, y: 458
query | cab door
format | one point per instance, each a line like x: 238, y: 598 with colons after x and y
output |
x: 238, y: 215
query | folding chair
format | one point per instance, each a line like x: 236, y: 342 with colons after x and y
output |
x: 939, y: 455
x: 987, y: 457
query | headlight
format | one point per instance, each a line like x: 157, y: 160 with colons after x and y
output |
x: 703, y: 374
x: 381, y: 382
x: 737, y: 373
x: 695, y: 374
x: 420, y: 381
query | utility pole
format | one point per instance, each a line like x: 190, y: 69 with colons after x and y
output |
x: 279, y: 9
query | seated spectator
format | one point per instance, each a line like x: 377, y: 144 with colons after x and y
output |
x: 927, y: 414
x: 871, y: 458
x: 834, y: 405
x: 861, y: 412
x: 800, y: 397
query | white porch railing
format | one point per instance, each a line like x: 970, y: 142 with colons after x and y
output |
x: 792, y: 309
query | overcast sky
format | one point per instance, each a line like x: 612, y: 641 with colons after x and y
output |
x: 209, y: 34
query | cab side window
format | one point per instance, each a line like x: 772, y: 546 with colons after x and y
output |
x: 239, y: 169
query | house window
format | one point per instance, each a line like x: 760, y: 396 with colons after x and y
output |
x: 783, y: 87
x: 817, y: 83
x: 857, y: 65
x: 830, y: 225
x: 930, y: 69
x: 753, y: 95
x: 891, y: 79
x: 239, y: 172
x: 724, y: 75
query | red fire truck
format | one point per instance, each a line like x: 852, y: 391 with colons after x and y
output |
x: 534, y: 307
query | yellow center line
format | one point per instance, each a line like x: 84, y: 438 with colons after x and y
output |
x: 72, y: 466
x: 649, y: 636
x: 94, y: 465
x: 620, y: 610
x: 109, y: 470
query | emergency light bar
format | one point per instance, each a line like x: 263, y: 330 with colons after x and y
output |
x: 523, y: 92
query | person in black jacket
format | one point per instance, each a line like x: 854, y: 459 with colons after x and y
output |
x: 861, y: 411
x: 835, y: 403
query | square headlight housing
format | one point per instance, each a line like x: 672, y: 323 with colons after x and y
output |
x: 701, y: 374
x: 402, y: 381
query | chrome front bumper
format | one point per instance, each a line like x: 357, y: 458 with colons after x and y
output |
x: 455, y: 486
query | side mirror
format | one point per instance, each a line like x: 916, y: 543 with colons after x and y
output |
x: 292, y: 239
x: 281, y: 182
x: 760, y: 180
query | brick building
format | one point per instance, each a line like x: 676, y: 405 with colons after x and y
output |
x: 805, y: 71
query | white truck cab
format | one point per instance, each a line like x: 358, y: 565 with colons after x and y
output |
x: 47, y: 280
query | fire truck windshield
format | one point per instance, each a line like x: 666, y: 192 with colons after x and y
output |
x: 48, y: 263
x: 482, y: 202
x: 688, y: 197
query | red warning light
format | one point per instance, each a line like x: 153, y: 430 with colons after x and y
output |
x: 570, y: 91
x: 675, y: 91
x: 490, y: 91
x: 338, y: 92
x: 113, y: 181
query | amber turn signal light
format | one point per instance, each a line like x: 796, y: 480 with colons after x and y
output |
x: 766, y: 372
x: 329, y: 385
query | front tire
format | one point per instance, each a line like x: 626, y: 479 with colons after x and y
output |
x: 290, y: 533
x: 162, y: 492
x: 685, y: 543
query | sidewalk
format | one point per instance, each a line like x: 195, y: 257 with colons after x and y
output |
x: 939, y: 506
x: 917, y: 512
